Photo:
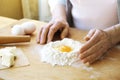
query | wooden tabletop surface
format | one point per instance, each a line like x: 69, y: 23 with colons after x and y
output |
x: 106, y: 69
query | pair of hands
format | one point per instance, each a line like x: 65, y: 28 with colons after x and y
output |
x: 97, y: 41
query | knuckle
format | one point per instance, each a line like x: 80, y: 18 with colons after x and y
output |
x: 41, y: 28
x: 46, y: 27
x: 100, y: 32
x: 90, y: 58
x: 52, y: 28
x: 93, y: 29
x: 44, y: 30
x: 62, y: 24
x: 58, y: 23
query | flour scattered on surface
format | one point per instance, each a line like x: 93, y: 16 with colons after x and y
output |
x: 95, y: 75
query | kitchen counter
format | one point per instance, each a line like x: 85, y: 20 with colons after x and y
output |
x: 107, y: 68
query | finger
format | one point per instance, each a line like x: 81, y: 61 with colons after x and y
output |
x: 94, y: 57
x: 65, y: 32
x: 90, y: 59
x: 39, y: 34
x: 94, y: 39
x: 53, y: 29
x: 93, y: 50
x: 90, y: 34
x: 44, y: 34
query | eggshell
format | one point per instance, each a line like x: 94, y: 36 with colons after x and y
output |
x: 17, y: 30
x: 29, y: 27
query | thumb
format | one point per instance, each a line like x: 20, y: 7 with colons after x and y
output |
x: 65, y: 32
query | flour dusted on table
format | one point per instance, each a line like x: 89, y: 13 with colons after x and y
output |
x: 64, y: 52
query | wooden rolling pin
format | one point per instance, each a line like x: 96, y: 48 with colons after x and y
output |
x: 14, y: 39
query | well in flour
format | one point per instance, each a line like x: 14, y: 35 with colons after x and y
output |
x: 64, y: 52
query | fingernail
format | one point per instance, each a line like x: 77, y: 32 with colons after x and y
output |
x: 86, y: 38
x: 41, y: 42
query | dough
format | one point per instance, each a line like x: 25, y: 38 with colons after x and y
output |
x: 8, y: 56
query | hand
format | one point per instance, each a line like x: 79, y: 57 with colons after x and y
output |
x: 98, y: 42
x: 47, y: 32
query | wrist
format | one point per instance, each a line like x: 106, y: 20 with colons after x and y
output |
x: 113, y: 32
x: 63, y: 20
x: 59, y: 18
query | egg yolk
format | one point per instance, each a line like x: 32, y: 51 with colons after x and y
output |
x: 64, y: 48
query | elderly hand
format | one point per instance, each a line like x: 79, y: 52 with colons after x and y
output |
x: 98, y: 42
x: 47, y: 32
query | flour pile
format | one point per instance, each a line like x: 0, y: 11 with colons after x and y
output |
x: 64, y: 52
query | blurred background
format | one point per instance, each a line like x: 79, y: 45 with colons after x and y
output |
x: 32, y: 9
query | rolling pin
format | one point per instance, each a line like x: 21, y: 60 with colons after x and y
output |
x: 14, y: 39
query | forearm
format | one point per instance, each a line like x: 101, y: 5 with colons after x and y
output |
x: 59, y: 13
x: 114, y: 32
x: 57, y: 9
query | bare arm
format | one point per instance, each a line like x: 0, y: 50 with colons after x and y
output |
x: 58, y: 22
x: 57, y: 9
x: 59, y: 12
x: 99, y: 42
x: 115, y: 33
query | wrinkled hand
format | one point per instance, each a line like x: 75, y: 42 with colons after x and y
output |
x: 98, y: 42
x: 47, y: 32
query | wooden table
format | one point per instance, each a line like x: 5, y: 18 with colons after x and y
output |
x: 105, y: 69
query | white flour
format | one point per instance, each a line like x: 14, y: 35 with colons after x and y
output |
x: 50, y: 54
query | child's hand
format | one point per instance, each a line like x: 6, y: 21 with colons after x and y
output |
x: 47, y: 32
x: 98, y: 42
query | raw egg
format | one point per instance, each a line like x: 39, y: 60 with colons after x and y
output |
x: 62, y: 52
x: 24, y: 28
x: 29, y: 27
x: 17, y: 30
x: 64, y: 48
